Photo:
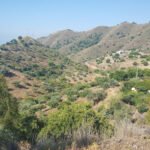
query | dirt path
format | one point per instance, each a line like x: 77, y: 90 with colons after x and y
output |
x: 91, y: 65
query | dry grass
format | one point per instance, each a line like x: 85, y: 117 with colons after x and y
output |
x: 125, y: 129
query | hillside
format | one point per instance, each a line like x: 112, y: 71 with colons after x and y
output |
x: 83, y: 46
x: 49, y: 99
x: 28, y: 64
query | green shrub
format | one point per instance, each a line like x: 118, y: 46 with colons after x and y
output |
x: 124, y: 75
x: 108, y: 60
x: 129, y: 99
x: 85, y: 93
x: 117, y: 110
x: 97, y: 97
x: 143, y: 108
x: 144, y: 62
x: 141, y: 85
x: 135, y: 63
x: 54, y: 101
x: 133, y: 54
x: 63, y: 124
x: 8, y: 108
x: 105, y: 82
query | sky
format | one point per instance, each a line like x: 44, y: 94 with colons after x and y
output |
x: 38, y: 18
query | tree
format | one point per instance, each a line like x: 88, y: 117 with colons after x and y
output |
x: 8, y: 117
x: 145, y: 63
x: 135, y: 63
x: 108, y: 60
x: 14, y: 41
x: 97, y: 97
x: 64, y: 123
x: 20, y: 37
x: 8, y: 106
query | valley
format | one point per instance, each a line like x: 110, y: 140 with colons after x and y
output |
x: 77, y: 90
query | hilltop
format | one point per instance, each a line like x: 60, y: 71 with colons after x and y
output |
x: 97, y: 42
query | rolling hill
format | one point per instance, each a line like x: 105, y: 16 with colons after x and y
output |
x: 28, y: 65
x: 77, y: 90
x: 87, y: 45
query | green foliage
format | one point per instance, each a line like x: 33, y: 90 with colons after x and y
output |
x: 129, y: 98
x: 133, y: 54
x: 8, y: 117
x: 102, y: 72
x: 85, y: 93
x: 8, y: 140
x: 144, y: 62
x: 105, y: 82
x: 73, y: 92
x: 140, y: 85
x: 143, y: 108
x: 91, y: 40
x: 123, y: 75
x: 99, y: 61
x: 138, y: 98
x: 135, y: 63
x: 5, y: 72
x: 97, y: 97
x: 118, y: 111
x: 147, y: 57
x: 108, y: 60
x: 54, y: 101
x: 20, y: 37
x: 68, y: 118
x: 116, y: 56
x: 8, y: 106
x: 29, y: 127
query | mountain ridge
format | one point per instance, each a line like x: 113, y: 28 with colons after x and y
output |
x: 81, y: 46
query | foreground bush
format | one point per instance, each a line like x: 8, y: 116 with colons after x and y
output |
x: 64, y: 125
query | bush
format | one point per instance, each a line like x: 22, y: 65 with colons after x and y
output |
x: 20, y: 37
x: 7, y: 73
x: 64, y: 124
x: 108, y: 60
x: 141, y: 85
x: 117, y: 110
x: 14, y: 41
x: 116, y: 56
x: 97, y: 97
x: 129, y: 99
x: 133, y: 54
x: 135, y: 63
x: 29, y: 127
x: 8, y: 105
x: 145, y: 63
x: 105, y: 82
x: 143, y: 108
x: 124, y: 75
x: 54, y: 101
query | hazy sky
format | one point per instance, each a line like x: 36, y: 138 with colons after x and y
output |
x: 42, y: 17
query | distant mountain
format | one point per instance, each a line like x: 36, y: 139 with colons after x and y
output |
x: 60, y: 39
x: 82, y: 46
